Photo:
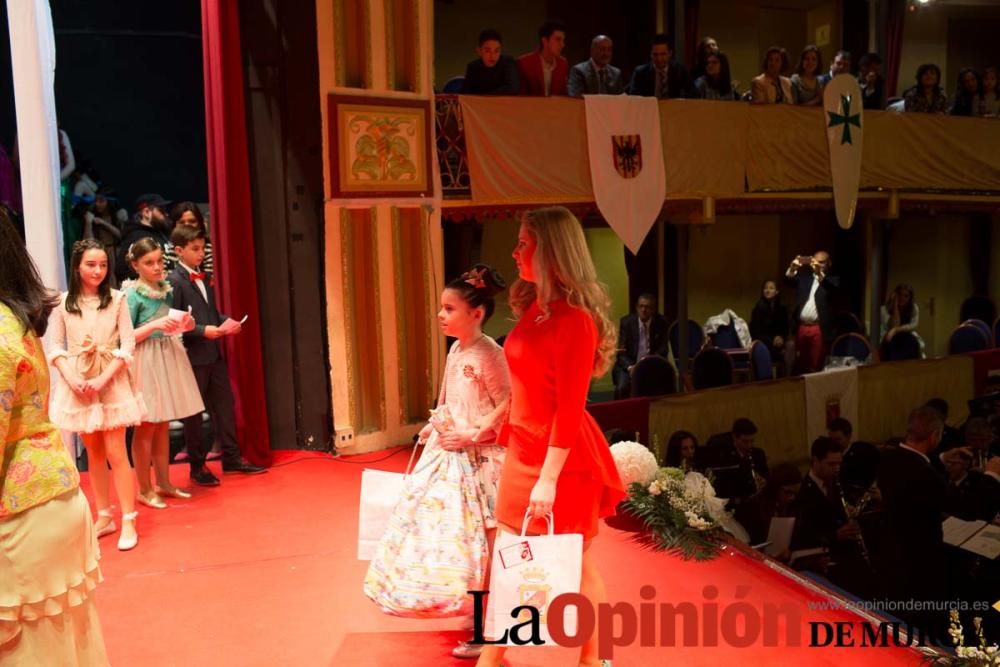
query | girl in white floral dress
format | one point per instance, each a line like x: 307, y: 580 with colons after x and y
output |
x: 474, y: 392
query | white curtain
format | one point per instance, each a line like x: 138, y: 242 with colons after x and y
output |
x: 33, y: 55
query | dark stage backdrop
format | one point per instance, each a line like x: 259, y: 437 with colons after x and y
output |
x: 129, y: 92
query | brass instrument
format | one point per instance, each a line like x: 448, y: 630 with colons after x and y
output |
x: 855, y: 510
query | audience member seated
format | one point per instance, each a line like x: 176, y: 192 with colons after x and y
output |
x: 841, y: 65
x: 840, y: 431
x: 926, y: 96
x: 681, y: 452
x: 807, y: 85
x: 913, y: 564
x: 706, y: 47
x: 545, y: 72
x: 596, y: 76
x: 951, y: 436
x: 492, y: 73
x: 640, y: 334
x: 716, y: 83
x: 971, y: 488
x: 150, y: 221
x: 740, y: 468
x: 987, y: 104
x: 813, y: 311
x: 965, y: 93
x: 776, y: 499
x: 769, y: 321
x: 981, y: 441
x: 770, y: 86
x: 661, y: 78
x: 871, y: 81
x: 900, y: 314
x: 822, y: 522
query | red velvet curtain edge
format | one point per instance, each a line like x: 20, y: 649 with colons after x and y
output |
x: 232, y: 220
x: 895, y: 15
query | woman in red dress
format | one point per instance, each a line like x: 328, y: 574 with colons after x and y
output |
x: 557, y: 458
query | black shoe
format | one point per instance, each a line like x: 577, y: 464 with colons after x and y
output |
x: 243, y: 466
x: 204, y: 477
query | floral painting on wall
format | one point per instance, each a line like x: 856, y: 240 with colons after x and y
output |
x: 379, y: 147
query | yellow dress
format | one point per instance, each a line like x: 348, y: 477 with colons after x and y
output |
x: 48, y: 549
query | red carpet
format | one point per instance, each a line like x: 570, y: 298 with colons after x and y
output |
x: 261, y: 571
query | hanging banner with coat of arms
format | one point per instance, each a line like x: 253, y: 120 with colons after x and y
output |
x: 844, y: 133
x: 626, y: 163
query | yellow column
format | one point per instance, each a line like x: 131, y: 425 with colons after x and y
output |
x: 384, y: 264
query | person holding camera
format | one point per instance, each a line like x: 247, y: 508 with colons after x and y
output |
x: 813, y: 310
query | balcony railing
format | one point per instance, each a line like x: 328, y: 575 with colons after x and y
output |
x: 736, y: 154
x: 452, y: 156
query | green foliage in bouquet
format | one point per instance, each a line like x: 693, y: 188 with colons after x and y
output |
x: 676, y: 510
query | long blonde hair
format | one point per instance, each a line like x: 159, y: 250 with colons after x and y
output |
x: 563, y: 268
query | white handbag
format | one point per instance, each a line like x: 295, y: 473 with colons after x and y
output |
x: 380, y: 490
x: 533, y: 570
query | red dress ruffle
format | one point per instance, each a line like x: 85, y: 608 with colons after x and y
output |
x: 551, y: 361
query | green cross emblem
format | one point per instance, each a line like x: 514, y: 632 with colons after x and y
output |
x: 845, y: 118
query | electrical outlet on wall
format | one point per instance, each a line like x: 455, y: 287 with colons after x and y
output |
x: 343, y: 436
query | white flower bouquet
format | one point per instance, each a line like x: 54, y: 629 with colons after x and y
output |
x: 680, y: 510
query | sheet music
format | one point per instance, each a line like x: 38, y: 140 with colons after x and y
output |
x: 779, y: 534
x: 985, y: 543
x: 957, y: 531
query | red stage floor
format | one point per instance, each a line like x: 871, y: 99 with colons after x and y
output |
x: 261, y: 571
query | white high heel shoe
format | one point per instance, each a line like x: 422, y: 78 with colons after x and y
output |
x: 110, y: 526
x: 124, y: 544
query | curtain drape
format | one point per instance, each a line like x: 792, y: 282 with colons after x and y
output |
x: 691, y: 37
x: 232, y: 220
x: 895, y: 14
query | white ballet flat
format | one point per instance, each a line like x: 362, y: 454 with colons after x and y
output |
x: 125, y: 544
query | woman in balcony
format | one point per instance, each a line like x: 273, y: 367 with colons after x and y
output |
x: 716, y: 83
x: 965, y: 92
x: 900, y: 314
x: 807, y: 87
x: 770, y: 87
x: 926, y: 96
x: 986, y: 104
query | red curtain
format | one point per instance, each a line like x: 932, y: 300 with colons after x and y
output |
x: 895, y: 13
x: 691, y: 37
x: 232, y: 220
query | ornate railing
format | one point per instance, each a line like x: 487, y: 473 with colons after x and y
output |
x: 452, y: 156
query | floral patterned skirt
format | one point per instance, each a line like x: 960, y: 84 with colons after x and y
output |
x: 487, y: 461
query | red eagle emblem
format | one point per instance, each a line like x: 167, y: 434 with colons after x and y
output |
x: 627, y: 152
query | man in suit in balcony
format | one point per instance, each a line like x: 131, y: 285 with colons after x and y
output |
x: 596, y: 76
x: 841, y: 65
x: 545, y: 72
x: 641, y: 334
x: 661, y: 77
x: 492, y: 73
x: 813, y: 311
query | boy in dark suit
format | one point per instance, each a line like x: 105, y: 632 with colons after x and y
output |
x: 193, y: 289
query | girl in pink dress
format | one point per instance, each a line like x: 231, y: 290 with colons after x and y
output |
x: 94, y: 395
x: 474, y: 392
